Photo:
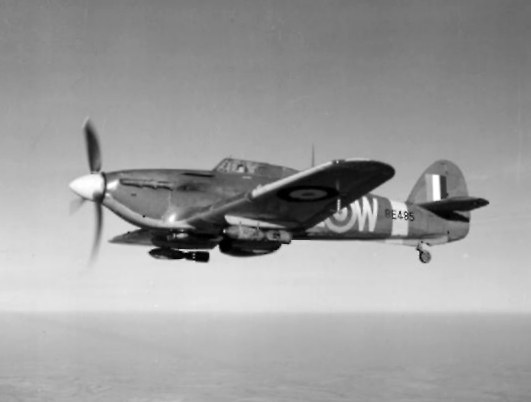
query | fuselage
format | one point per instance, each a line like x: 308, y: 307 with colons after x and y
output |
x: 374, y: 217
x: 164, y: 199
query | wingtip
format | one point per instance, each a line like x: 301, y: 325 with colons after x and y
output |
x: 372, y: 162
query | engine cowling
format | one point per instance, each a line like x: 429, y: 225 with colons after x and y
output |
x: 241, y: 248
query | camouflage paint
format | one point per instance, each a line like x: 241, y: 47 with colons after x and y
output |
x: 374, y: 217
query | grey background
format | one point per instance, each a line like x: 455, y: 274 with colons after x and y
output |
x: 177, y: 84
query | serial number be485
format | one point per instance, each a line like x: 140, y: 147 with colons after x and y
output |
x: 399, y: 214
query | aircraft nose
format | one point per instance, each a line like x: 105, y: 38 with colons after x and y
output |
x: 90, y: 187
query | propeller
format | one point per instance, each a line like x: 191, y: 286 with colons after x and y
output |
x: 75, y: 205
x: 93, y: 147
x: 91, y: 187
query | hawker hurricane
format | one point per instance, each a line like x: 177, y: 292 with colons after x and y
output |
x: 247, y: 208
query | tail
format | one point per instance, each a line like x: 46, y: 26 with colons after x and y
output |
x: 442, y: 189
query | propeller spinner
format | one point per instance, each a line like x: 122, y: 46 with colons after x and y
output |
x: 91, y: 187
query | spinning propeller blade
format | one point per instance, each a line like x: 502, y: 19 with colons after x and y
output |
x: 97, y: 234
x: 75, y: 205
x: 91, y: 187
x: 93, y: 147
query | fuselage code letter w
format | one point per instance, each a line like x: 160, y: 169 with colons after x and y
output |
x: 361, y: 211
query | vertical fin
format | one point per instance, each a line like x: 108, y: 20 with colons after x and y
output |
x: 441, y: 180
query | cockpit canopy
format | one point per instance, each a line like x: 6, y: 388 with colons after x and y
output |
x: 240, y: 166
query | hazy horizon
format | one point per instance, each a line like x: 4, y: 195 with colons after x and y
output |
x: 229, y: 357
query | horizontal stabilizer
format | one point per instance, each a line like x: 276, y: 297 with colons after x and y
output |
x: 454, y: 204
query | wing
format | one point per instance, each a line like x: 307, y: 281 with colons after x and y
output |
x: 141, y: 237
x: 301, y: 200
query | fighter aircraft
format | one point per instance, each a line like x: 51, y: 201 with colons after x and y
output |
x: 248, y: 208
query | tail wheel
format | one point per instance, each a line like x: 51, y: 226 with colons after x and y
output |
x: 424, y: 257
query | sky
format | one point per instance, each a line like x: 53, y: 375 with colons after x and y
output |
x: 183, y: 84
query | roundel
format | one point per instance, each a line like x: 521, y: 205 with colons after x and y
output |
x: 307, y: 193
x: 341, y: 221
